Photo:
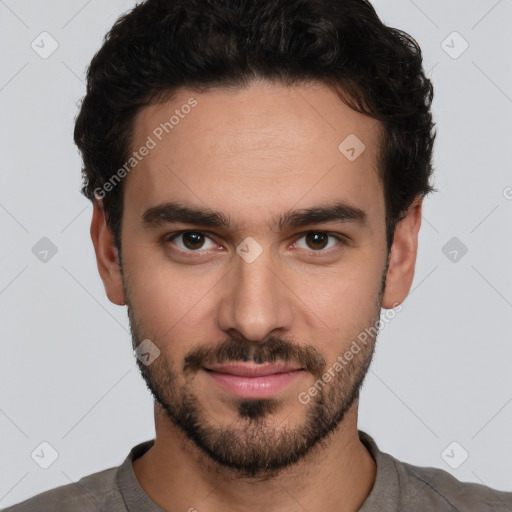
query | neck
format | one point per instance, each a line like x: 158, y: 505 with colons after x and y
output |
x: 336, y: 475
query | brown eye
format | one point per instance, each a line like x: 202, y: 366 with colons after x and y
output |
x: 317, y: 240
x: 192, y: 240
x: 320, y: 242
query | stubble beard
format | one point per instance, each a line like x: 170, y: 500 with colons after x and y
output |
x: 254, y: 445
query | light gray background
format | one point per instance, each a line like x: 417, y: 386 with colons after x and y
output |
x: 442, y: 367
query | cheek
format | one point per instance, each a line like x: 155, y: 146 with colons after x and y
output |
x: 168, y: 301
x: 340, y: 305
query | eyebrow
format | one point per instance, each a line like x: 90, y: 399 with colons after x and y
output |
x: 173, y: 212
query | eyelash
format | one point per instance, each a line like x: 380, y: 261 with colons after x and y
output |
x: 339, y: 237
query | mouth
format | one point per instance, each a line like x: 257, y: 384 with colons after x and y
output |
x: 251, y: 380
x: 253, y: 369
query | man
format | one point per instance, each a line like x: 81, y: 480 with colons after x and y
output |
x: 257, y: 172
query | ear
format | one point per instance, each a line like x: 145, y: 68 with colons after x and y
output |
x: 402, y: 258
x: 107, y: 256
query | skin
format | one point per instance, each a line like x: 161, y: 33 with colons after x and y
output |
x: 254, y: 154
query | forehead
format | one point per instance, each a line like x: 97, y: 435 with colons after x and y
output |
x: 260, y: 149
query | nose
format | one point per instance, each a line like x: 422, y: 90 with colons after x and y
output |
x: 255, y: 301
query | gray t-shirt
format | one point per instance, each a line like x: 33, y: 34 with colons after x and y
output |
x: 398, y: 487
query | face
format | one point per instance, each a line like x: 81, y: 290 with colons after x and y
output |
x: 251, y: 244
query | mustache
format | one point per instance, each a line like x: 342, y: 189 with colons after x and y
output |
x: 272, y: 350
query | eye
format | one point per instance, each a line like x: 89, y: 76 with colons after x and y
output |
x: 318, y: 241
x: 191, y: 241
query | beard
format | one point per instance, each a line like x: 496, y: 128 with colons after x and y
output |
x: 254, y: 445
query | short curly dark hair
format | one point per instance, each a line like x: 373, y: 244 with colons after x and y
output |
x: 162, y: 45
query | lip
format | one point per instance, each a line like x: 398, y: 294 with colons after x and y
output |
x: 249, y: 380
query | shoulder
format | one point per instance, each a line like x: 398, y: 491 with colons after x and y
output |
x: 408, y: 488
x: 424, y: 487
x: 92, y: 493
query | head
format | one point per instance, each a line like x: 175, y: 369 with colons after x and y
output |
x: 257, y: 173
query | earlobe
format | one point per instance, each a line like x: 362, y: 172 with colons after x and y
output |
x: 402, y: 259
x: 107, y: 257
